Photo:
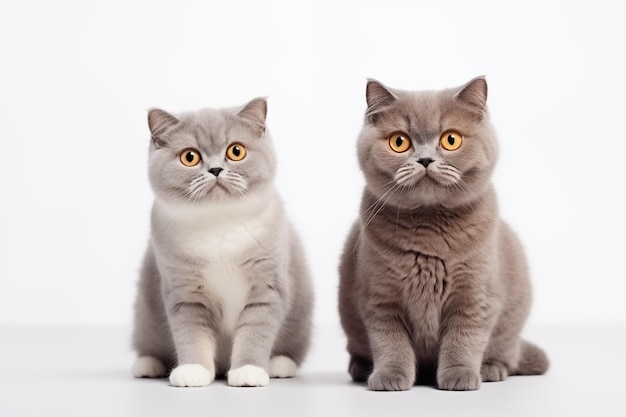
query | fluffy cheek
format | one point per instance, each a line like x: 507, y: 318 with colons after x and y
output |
x: 169, y: 181
x: 466, y: 158
x: 380, y: 166
x: 472, y: 165
x: 257, y: 172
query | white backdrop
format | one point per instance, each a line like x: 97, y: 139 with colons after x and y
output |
x: 77, y: 77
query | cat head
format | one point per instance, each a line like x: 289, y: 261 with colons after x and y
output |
x: 427, y: 148
x: 210, y: 155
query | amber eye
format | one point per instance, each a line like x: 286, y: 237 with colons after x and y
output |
x: 236, y: 152
x: 190, y: 157
x: 399, y: 142
x: 451, y: 141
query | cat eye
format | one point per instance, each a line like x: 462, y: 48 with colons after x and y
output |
x: 190, y: 157
x: 399, y: 142
x: 451, y: 141
x: 236, y: 152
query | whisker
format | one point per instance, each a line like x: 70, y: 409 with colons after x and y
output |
x: 405, y: 173
x: 390, y: 193
x: 383, y: 202
x: 383, y: 196
x: 239, y: 184
x: 464, y: 189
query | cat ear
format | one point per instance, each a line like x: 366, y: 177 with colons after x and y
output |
x: 378, y: 97
x: 159, y: 122
x: 255, y: 112
x: 474, y: 94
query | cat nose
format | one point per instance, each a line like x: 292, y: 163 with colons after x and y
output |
x: 425, y: 161
x: 216, y: 171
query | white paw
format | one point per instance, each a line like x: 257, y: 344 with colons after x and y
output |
x: 191, y: 375
x: 282, y: 367
x: 148, y: 367
x: 248, y: 376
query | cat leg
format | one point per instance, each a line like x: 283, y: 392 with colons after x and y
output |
x: 150, y: 341
x: 361, y: 364
x: 151, y: 337
x: 503, y: 351
x: 294, y: 338
x: 293, y: 341
x: 499, y: 358
x: 153, y: 354
x: 393, y: 353
x: 507, y: 354
x: 193, y: 331
x: 466, y: 325
x: 256, y: 333
x: 379, y: 316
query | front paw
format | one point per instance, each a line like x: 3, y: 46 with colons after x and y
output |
x: 389, y: 380
x: 191, y: 375
x: 248, y: 376
x: 458, y: 378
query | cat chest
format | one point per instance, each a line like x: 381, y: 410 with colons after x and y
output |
x: 425, y: 277
x: 226, y: 282
x: 425, y: 285
x: 221, y: 254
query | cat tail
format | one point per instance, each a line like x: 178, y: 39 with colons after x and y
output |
x: 533, y: 360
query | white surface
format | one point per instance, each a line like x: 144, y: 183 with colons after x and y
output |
x: 78, y: 77
x: 82, y: 371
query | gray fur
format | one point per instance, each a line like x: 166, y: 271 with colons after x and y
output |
x: 434, y: 285
x: 178, y: 317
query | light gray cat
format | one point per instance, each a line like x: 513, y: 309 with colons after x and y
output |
x: 224, y: 288
x: 434, y: 286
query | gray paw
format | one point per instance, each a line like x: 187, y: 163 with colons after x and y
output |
x: 458, y: 378
x: 493, y: 372
x: 387, y: 380
x: 360, y: 369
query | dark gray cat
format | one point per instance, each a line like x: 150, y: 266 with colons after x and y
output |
x: 434, y: 286
x: 224, y: 287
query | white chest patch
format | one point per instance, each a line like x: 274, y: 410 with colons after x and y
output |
x: 221, y: 236
x: 225, y: 280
